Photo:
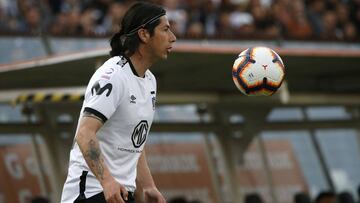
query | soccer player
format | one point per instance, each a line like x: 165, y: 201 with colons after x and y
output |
x: 108, y: 160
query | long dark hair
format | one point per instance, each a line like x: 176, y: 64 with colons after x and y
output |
x: 140, y: 15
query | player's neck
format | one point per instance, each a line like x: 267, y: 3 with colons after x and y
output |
x: 141, y: 63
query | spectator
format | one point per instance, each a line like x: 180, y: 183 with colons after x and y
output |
x: 354, y: 6
x: 32, y: 20
x: 176, y: 15
x: 350, y: 33
x: 178, y: 200
x: 59, y: 25
x: 195, y: 30
x: 343, y: 14
x: 326, y: 197
x: 314, y: 12
x: 71, y: 5
x: 253, y: 198
x: 281, y: 11
x: 9, y: 15
x: 211, y: 18
x: 346, y: 197
x: 302, y: 197
x: 88, y: 21
x: 264, y: 22
x: 67, y: 23
x: 113, y: 17
x: 224, y: 28
x: 39, y: 200
x: 241, y: 20
x: 329, y: 22
x: 298, y: 26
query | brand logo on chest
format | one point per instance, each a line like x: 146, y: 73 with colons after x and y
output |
x: 132, y: 99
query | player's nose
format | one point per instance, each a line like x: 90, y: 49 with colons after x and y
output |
x: 172, y: 37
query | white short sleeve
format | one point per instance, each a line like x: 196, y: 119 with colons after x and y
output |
x: 103, y: 95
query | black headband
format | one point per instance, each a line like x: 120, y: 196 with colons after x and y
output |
x: 153, y: 19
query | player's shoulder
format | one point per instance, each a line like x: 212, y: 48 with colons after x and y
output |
x: 114, y: 66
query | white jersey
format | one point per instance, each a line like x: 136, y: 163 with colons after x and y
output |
x: 126, y: 104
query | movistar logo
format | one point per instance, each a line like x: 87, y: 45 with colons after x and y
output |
x: 99, y: 90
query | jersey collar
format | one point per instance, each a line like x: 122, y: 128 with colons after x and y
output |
x: 132, y: 66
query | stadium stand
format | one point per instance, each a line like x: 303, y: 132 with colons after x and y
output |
x: 259, y: 19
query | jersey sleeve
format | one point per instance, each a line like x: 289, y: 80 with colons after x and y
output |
x: 103, y: 95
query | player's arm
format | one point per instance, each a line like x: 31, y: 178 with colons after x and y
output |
x: 145, y: 181
x: 89, y: 146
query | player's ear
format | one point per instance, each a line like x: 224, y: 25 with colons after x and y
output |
x: 144, y: 35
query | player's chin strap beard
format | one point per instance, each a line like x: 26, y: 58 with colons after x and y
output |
x: 133, y: 31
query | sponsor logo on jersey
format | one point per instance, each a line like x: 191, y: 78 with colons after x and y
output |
x: 122, y: 62
x: 139, y: 134
x: 129, y: 150
x: 100, y: 90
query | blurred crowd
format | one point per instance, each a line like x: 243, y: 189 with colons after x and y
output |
x: 300, y: 197
x: 303, y: 197
x: 229, y: 19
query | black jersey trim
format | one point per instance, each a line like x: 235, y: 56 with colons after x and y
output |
x: 82, y: 187
x: 131, y: 66
x: 96, y: 113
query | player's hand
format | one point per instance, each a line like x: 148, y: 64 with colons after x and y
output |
x: 153, y: 195
x: 114, y: 192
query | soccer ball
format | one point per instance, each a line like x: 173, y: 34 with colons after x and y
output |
x: 258, y: 71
